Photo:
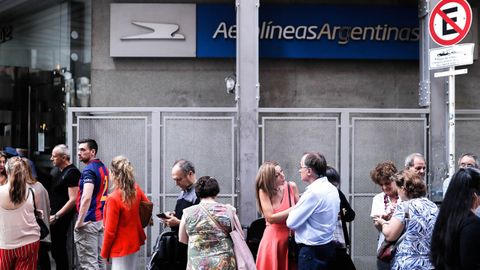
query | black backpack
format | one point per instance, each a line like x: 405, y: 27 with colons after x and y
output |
x: 165, y: 252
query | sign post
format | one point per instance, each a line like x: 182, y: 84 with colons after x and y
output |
x: 449, y: 23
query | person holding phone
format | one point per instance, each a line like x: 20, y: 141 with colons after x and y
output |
x: 183, y: 173
x: 385, y: 202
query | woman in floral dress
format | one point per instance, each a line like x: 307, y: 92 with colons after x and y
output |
x: 209, y: 247
x: 414, y: 251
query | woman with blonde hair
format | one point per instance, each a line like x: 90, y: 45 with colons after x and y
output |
x: 20, y: 234
x: 123, y: 233
x: 275, y: 198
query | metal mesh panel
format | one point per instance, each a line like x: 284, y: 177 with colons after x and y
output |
x: 207, y: 142
x: 467, y: 136
x: 364, y: 235
x: 375, y: 140
x: 118, y: 136
x: 286, y: 139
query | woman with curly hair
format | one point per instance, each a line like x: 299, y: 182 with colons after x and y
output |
x: 415, y: 217
x: 384, y: 203
x: 123, y: 233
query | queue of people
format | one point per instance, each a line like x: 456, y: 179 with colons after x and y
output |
x: 107, y: 227
x: 73, y: 197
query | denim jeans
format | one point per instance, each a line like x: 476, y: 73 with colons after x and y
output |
x: 316, y: 257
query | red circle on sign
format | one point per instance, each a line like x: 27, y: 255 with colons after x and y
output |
x: 461, y: 32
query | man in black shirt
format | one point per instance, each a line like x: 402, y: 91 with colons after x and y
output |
x: 63, y: 194
x: 183, y: 173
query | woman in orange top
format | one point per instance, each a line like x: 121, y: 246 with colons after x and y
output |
x: 123, y: 234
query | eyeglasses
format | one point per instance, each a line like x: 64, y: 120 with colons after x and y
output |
x: 303, y: 167
x: 466, y: 165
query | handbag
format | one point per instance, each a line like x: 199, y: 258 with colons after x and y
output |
x: 243, y: 256
x: 38, y: 216
x: 292, y: 245
x: 165, y: 252
x: 145, y: 212
x: 387, y: 249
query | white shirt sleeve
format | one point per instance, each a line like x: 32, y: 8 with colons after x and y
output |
x: 378, y: 205
x: 302, y: 211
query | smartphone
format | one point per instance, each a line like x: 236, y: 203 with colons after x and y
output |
x: 162, y: 215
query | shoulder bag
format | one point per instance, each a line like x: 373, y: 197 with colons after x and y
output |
x: 388, y: 248
x: 243, y: 256
x: 145, y: 212
x: 38, y: 216
x: 292, y: 245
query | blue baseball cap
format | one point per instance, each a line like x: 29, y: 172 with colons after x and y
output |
x: 10, y: 151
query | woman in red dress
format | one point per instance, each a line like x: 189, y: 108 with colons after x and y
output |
x: 274, y: 203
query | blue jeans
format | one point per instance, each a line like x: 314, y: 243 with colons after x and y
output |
x: 316, y: 257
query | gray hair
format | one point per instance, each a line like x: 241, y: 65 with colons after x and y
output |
x: 410, y: 158
x: 470, y: 155
x: 185, y: 165
x: 63, y: 149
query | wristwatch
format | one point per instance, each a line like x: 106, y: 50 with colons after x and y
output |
x: 56, y: 217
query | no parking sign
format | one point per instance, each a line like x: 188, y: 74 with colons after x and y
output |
x: 450, y: 21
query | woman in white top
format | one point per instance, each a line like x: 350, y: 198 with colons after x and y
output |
x: 19, y: 231
x: 384, y: 203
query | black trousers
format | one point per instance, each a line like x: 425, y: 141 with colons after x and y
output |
x: 59, y: 231
x: 43, y: 257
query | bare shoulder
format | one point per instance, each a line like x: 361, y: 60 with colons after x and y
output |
x: 293, y: 185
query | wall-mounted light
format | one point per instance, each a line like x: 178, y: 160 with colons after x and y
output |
x: 230, y: 82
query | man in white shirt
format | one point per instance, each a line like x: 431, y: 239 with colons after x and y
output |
x: 315, y: 215
x: 467, y: 160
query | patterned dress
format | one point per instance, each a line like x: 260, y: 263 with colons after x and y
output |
x: 208, y: 246
x: 414, y: 251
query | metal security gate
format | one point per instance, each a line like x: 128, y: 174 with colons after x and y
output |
x: 153, y: 138
x: 352, y: 140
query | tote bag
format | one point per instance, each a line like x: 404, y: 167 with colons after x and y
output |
x: 243, y: 256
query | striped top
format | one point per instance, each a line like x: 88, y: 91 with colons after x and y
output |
x: 97, y: 174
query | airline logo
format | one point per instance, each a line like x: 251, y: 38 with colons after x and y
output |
x: 153, y: 30
x: 159, y: 31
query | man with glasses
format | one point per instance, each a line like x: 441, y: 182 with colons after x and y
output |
x: 63, y: 194
x: 416, y: 163
x: 467, y: 160
x: 315, y: 215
